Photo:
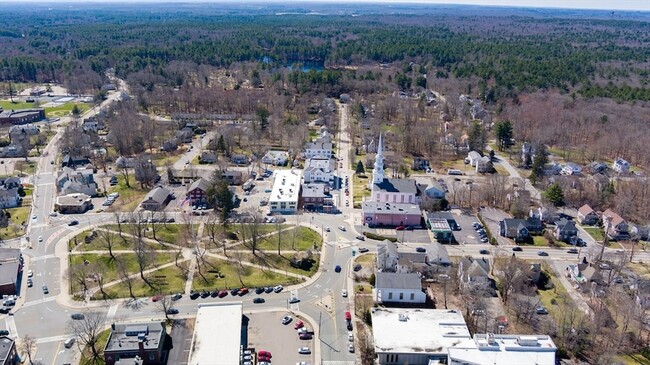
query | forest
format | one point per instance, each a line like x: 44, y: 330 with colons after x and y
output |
x: 507, y: 54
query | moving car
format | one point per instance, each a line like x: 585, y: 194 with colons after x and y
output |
x: 286, y: 320
x: 77, y: 316
x: 363, y: 249
x: 542, y: 253
x: 541, y: 310
x: 177, y: 296
x: 258, y: 300
x: 293, y: 300
x: 304, y: 351
x: 517, y: 248
x: 327, y: 229
x: 572, y: 250
x: 45, y: 290
x: 484, y: 252
x: 337, y: 268
x: 361, y: 238
x: 69, y: 342
x: 342, y: 228
x: 172, y: 311
x: 40, y: 238
x: 344, y: 293
x: 73, y: 223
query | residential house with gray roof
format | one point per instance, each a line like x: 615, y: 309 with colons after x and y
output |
x: 398, y: 288
x: 156, y: 199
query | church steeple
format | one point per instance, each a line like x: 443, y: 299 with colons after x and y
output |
x: 378, y: 171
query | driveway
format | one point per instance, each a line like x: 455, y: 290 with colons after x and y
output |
x: 181, y: 335
x: 492, y: 217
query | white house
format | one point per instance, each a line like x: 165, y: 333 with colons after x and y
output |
x: 72, y: 181
x: 473, y: 158
x: 498, y: 349
x: 473, y: 272
x: 277, y: 158
x: 621, y: 166
x: 398, y: 288
x: 435, y: 191
x: 9, y: 198
x: 571, y: 169
x: 321, y: 146
x: 319, y: 169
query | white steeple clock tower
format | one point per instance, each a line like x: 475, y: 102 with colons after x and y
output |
x: 378, y: 170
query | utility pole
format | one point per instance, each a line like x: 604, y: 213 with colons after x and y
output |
x: 608, y: 222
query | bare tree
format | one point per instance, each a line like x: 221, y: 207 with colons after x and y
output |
x: 99, y: 268
x: 87, y: 331
x: 216, y: 232
x: 28, y: 346
x: 106, y: 241
x: 78, y: 274
x: 510, y: 272
x: 165, y: 303
x: 251, y: 233
x: 125, y: 276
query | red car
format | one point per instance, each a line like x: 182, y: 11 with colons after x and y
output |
x: 348, y: 316
x: 298, y: 324
x: 261, y: 359
x: 263, y: 353
x: 222, y: 293
x: 156, y: 298
x: 400, y: 228
x: 243, y: 291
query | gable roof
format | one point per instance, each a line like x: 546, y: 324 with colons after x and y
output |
x: 475, y: 268
x: 616, y: 219
x: 398, y: 186
x: 585, y: 210
x: 202, y: 184
x: 409, y: 281
x: 159, y: 195
x: 565, y: 225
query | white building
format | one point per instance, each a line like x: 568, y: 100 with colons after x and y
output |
x: 286, y: 191
x: 319, y: 169
x: 385, y: 190
x: 217, y: 347
x: 571, y: 169
x: 491, y: 349
x: 472, y: 158
x: 621, y: 166
x: 415, y: 336
x: 277, y: 158
x: 321, y: 146
x: 398, y: 288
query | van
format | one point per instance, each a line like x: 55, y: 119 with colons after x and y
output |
x: 69, y: 342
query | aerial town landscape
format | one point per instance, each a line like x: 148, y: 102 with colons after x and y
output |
x: 323, y: 183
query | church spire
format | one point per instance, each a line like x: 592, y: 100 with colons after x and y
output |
x: 378, y: 171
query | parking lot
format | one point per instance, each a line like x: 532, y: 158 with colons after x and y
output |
x: 467, y: 234
x: 266, y: 332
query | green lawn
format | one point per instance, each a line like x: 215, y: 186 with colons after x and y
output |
x: 540, y: 241
x: 168, y: 280
x: 129, y: 197
x: 275, y: 261
x: 111, y: 273
x: 226, y: 275
x: 165, y: 232
x: 595, y: 232
x: 65, y: 109
x: 360, y: 188
x: 304, y: 239
x: 8, y: 105
x: 19, y: 215
x: 557, y: 295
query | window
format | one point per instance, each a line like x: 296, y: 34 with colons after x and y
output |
x: 401, y: 296
x: 412, y: 296
x: 390, y: 296
x: 152, y: 356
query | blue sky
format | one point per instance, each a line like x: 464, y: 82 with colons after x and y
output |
x: 573, y: 4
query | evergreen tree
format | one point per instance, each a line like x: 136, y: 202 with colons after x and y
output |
x: 360, y: 169
x: 539, y: 161
x: 503, y: 132
x: 221, y: 144
x: 220, y: 196
x: 263, y: 115
x: 554, y: 194
x: 477, y: 138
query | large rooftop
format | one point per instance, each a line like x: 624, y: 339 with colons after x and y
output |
x: 286, y: 185
x: 370, y: 207
x: 489, y: 349
x: 125, y: 337
x: 217, y: 334
x: 430, y: 331
x: 6, y: 345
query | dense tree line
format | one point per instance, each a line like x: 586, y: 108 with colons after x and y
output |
x: 517, y: 54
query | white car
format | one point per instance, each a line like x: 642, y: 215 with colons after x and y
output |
x: 40, y: 238
x: 350, y: 336
x: 344, y: 293
x: 342, y: 228
x: 34, y: 216
x: 30, y: 273
x: 286, y: 320
x: 351, y: 347
x: 327, y: 229
x: 304, y: 350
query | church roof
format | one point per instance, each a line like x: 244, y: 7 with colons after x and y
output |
x: 397, y: 186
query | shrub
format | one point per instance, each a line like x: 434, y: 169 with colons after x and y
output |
x: 379, y: 237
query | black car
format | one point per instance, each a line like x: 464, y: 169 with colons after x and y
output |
x: 349, y: 325
x: 194, y: 295
x: 4, y: 310
x: 259, y: 290
x: 420, y: 249
x: 268, y: 289
x: 258, y: 300
x: 572, y: 250
x: 363, y: 249
x: 4, y: 333
x: 172, y: 311
x: 73, y: 223
x: 205, y: 294
x: 484, y: 252
x: 177, y: 296
x: 214, y: 293
x: 234, y: 292
x: 77, y: 316
x: 518, y: 249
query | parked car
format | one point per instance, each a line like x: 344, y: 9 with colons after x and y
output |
x: 357, y: 267
x: 156, y: 298
x: 298, y: 324
x: 268, y: 289
x: 304, y: 351
x: 30, y: 273
x: 259, y: 290
x: 361, y: 238
x: 351, y: 347
x: 30, y: 283
x: 69, y: 342
x: 363, y: 249
x: 348, y: 316
x: 177, y: 296
x: 286, y: 320
x: 400, y: 228
x: 327, y: 229
x: 344, y: 293
x: 349, y: 326
x: 305, y: 336
x: 350, y: 336
x: 194, y: 295
x: 263, y: 353
x: 234, y: 292
x: 77, y: 316
x: 243, y: 291
x: 222, y: 293
x: 214, y: 293
x: 205, y: 294
x: 278, y: 288
x: 420, y: 249
x: 4, y: 333
x: 258, y: 300
x: 541, y: 310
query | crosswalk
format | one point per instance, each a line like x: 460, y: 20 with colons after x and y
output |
x: 11, y: 326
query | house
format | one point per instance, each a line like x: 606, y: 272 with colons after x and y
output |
x: 484, y: 165
x: 156, y: 199
x: 420, y: 163
x: 11, y: 182
x: 233, y: 177
x: 109, y: 87
x: 618, y: 227
x: 124, y: 162
x: 552, y: 168
x: 473, y: 158
x: 184, y: 135
x: 398, y: 288
x: 74, y: 161
x: 345, y: 98
x: 503, y: 349
x: 72, y: 203
x: 571, y: 169
x: 10, y: 266
x: 22, y: 116
x: 92, y: 124
x: 13, y: 150
x: 319, y: 169
x: 196, y: 192
x: 170, y: 145
x: 416, y: 336
x: 390, y: 214
x: 621, y: 166
x: 277, y: 158
x: 79, y: 181
x: 28, y: 130
x: 528, y: 151
x: 520, y: 229
x: 9, y: 198
x: 128, y: 340
x: 473, y: 272
x: 585, y: 273
x: 239, y: 159
x: 564, y: 230
x: 435, y: 190
x: 219, y: 333
x: 587, y: 216
x: 320, y: 147
x: 596, y: 167
x: 208, y: 157
x: 317, y: 197
x: 408, y: 259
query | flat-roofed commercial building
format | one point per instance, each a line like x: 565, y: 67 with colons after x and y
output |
x: 285, y: 192
x: 218, y: 333
x: 495, y: 349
